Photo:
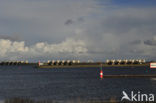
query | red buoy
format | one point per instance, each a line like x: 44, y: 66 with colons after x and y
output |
x: 101, y: 74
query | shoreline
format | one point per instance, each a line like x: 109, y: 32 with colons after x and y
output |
x: 91, y: 65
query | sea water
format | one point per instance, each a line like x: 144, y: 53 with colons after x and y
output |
x: 63, y: 84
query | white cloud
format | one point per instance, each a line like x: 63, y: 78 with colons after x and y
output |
x: 17, y: 50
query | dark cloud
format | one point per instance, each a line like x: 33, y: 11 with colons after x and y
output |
x: 77, y: 21
x: 69, y: 22
x: 150, y: 42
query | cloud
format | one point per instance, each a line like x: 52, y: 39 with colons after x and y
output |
x: 151, y: 42
x: 77, y: 21
x: 12, y: 38
x: 43, y: 19
x: 68, y: 22
x: 107, y: 30
x: 119, y: 33
x: 135, y: 42
x: 17, y: 50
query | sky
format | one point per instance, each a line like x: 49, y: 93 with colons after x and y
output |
x: 77, y: 29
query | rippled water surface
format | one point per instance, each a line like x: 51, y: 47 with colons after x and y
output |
x: 72, y: 83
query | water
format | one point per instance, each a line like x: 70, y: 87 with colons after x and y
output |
x: 72, y: 83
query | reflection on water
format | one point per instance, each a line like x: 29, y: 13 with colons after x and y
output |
x: 70, y: 84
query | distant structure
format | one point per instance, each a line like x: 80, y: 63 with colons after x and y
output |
x: 125, y: 61
x: 62, y: 62
x: 77, y: 62
x: 14, y: 62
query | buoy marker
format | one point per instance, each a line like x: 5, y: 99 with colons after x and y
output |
x: 101, y: 74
